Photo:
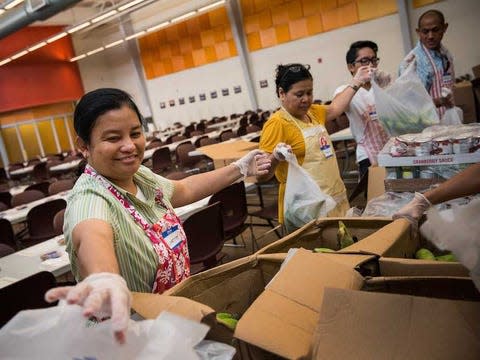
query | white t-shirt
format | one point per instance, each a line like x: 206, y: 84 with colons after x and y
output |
x: 358, y: 106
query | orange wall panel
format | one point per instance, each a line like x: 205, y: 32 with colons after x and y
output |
x: 218, y: 17
x: 371, y: 9
x: 193, y: 26
x: 265, y: 19
x: 172, y: 33
x: 232, y: 47
x: 185, y: 46
x: 294, y: 9
x: 177, y: 63
x: 218, y: 35
x: 196, y: 41
x: 268, y: 37
x: 207, y: 38
x: 204, y: 21
x: 182, y: 30
x: 282, y: 33
x: 339, y: 17
x: 199, y: 57
x: 188, y: 60
x: 420, y: 3
x: 222, y: 50
x: 298, y: 28
x: 314, y: 24
x: 248, y: 7
x: 210, y: 54
x: 280, y: 15
x: 254, y: 41
x: 310, y: 7
x: 326, y: 5
x: 251, y: 24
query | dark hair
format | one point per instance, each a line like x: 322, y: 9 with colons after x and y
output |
x: 357, y: 45
x: 432, y: 12
x: 96, y: 103
x: 287, y: 75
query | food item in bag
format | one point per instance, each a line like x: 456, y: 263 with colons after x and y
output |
x: 343, y: 236
x: 323, y: 250
x: 424, y: 254
x: 447, y: 257
x: 227, y: 319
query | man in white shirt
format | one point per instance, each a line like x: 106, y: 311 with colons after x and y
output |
x: 364, y: 124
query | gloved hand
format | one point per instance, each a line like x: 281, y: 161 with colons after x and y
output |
x: 101, y: 295
x: 382, y: 78
x: 280, y: 151
x: 414, y: 210
x: 255, y: 163
x: 363, y: 75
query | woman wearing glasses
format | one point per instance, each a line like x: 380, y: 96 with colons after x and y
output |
x: 300, y: 124
x: 366, y: 129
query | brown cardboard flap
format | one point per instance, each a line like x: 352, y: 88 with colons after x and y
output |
x: 361, y: 325
x: 292, y: 301
x: 393, y: 240
x: 415, y: 267
x: 150, y: 306
x: 376, y: 185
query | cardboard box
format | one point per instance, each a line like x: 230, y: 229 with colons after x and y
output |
x: 323, y: 233
x: 365, y: 325
x: 376, y: 185
x: 463, y: 95
x: 226, y: 152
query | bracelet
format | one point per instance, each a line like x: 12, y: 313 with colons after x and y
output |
x: 354, y: 87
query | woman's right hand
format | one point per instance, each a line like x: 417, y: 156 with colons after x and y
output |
x: 363, y: 75
x: 101, y: 295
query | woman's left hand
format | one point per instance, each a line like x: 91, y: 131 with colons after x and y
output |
x: 363, y: 75
x: 255, y: 163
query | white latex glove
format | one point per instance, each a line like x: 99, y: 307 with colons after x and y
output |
x: 101, y: 295
x: 281, y: 151
x: 363, y: 75
x: 382, y: 78
x: 414, y: 210
x: 255, y: 163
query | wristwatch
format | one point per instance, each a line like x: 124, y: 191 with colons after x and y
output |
x: 354, y: 87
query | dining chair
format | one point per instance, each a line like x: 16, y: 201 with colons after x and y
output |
x: 40, y: 172
x: 26, y: 197
x: 40, y: 222
x: 25, y: 294
x: 154, y: 144
x: 204, y: 231
x: 60, y: 185
x: 6, y: 198
x: 7, y: 235
x: 233, y: 201
x: 58, y: 221
x: 226, y: 135
x: 42, y: 186
x: 185, y: 162
x: 5, y: 250
x: 162, y: 160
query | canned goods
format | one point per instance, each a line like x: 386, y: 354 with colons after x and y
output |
x: 461, y: 145
x: 475, y: 144
x: 441, y: 146
x: 423, y: 146
x: 404, y: 145
x: 426, y: 174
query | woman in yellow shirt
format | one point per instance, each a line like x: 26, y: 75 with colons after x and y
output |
x: 300, y: 124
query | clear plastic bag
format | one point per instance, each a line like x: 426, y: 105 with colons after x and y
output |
x: 452, y: 116
x: 405, y: 106
x: 387, y: 204
x: 61, y: 332
x: 457, y: 230
x: 303, y: 201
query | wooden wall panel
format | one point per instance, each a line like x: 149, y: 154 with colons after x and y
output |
x: 268, y: 37
x: 371, y: 9
x: 282, y: 33
x: 218, y: 17
x: 325, y: 5
x: 298, y: 28
x: 314, y: 24
x: 46, y: 133
x: 420, y: 3
x: 294, y: 9
x: 342, y: 16
x: 279, y: 15
x: 254, y: 41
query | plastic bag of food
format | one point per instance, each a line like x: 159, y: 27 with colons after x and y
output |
x: 452, y: 116
x: 303, y: 201
x: 405, y: 106
x: 457, y: 230
x: 61, y: 332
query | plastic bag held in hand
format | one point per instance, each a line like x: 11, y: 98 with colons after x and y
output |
x: 457, y: 230
x: 102, y: 295
x: 414, y: 210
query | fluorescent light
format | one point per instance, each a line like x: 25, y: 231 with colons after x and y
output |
x: 56, y: 37
x: 159, y: 26
x: 1, y: 11
x: 184, y: 16
x: 115, y: 43
x: 13, y: 4
x: 95, y: 51
x: 78, y: 57
x: 78, y: 27
x: 130, y: 4
x: 38, y: 46
x: 211, y: 6
x: 20, y: 54
x: 140, y: 33
x: 6, y: 61
x: 104, y: 16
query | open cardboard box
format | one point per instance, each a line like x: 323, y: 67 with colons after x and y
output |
x: 323, y: 233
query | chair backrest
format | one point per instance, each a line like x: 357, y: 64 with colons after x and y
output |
x: 6, y: 250
x: 6, y: 198
x: 25, y: 294
x: 26, y: 196
x: 154, y: 144
x: 182, y: 157
x: 42, y: 186
x: 60, y: 185
x: 58, y: 220
x: 226, y: 135
x: 233, y: 201
x: 253, y: 128
x: 40, y: 171
x: 208, y: 141
x: 196, y: 133
x: 161, y: 160
x: 40, y: 219
x: 7, y: 236
x: 178, y: 138
x: 204, y: 241
x: 197, y: 142
x: 242, y: 130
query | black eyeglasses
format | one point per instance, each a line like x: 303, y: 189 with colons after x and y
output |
x: 366, y: 61
x: 294, y: 69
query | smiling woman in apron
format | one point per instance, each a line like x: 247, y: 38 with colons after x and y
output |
x: 121, y: 231
x: 301, y: 125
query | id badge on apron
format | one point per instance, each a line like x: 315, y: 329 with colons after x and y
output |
x: 373, y: 114
x: 447, y: 80
x: 325, y: 146
x: 172, y: 236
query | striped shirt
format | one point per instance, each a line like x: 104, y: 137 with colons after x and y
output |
x: 136, y: 257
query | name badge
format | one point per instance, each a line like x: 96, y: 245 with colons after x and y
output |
x: 373, y: 115
x: 172, y: 236
x: 447, y: 80
x: 325, y: 147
